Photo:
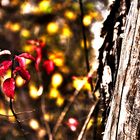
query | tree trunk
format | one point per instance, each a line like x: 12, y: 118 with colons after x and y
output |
x: 123, y: 122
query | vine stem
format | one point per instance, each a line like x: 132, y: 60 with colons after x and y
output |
x: 18, y: 122
x: 85, y: 42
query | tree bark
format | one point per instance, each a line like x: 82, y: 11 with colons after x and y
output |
x: 123, y: 122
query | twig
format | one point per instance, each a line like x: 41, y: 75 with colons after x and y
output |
x: 66, y: 109
x: 18, y: 122
x: 45, y: 121
x: 47, y: 126
x: 85, y: 43
x: 84, y: 35
x: 19, y: 113
x: 83, y: 130
x: 30, y: 111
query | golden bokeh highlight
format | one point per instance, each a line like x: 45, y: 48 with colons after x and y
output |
x: 79, y: 83
x: 70, y: 15
x: 34, y: 124
x: 60, y: 101
x: 54, y: 93
x: 52, y: 28
x: 35, y: 92
x: 26, y: 8
x: 90, y: 123
x: 58, y: 58
x: 57, y: 80
x: 87, y: 43
x: 45, y: 6
x: 87, y: 20
x: 15, y: 27
x: 19, y: 81
x: 27, y: 48
x: 87, y: 86
x: 47, y: 117
x: 11, y: 119
x: 66, y: 32
x: 41, y: 133
x: 25, y: 33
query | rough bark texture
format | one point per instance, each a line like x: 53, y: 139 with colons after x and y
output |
x: 123, y: 122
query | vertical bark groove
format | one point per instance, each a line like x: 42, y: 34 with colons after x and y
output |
x: 124, y: 117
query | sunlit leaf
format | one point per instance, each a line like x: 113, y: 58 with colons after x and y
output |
x: 27, y: 56
x: 23, y: 73
x: 4, y: 66
x: 21, y: 61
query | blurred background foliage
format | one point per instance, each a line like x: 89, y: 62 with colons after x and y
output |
x: 57, y: 24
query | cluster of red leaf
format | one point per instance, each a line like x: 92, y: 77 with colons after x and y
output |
x: 48, y: 65
x: 8, y: 86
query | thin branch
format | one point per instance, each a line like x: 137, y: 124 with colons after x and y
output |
x: 19, y: 113
x: 29, y: 111
x: 18, y: 122
x: 43, y: 109
x: 83, y: 130
x: 45, y: 121
x: 84, y: 36
x: 67, y: 107
x: 85, y: 42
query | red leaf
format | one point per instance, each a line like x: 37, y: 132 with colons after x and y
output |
x: 38, y: 58
x: 49, y: 66
x: 9, y: 87
x: 4, y: 66
x: 21, y: 61
x: 27, y: 56
x: 23, y: 73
